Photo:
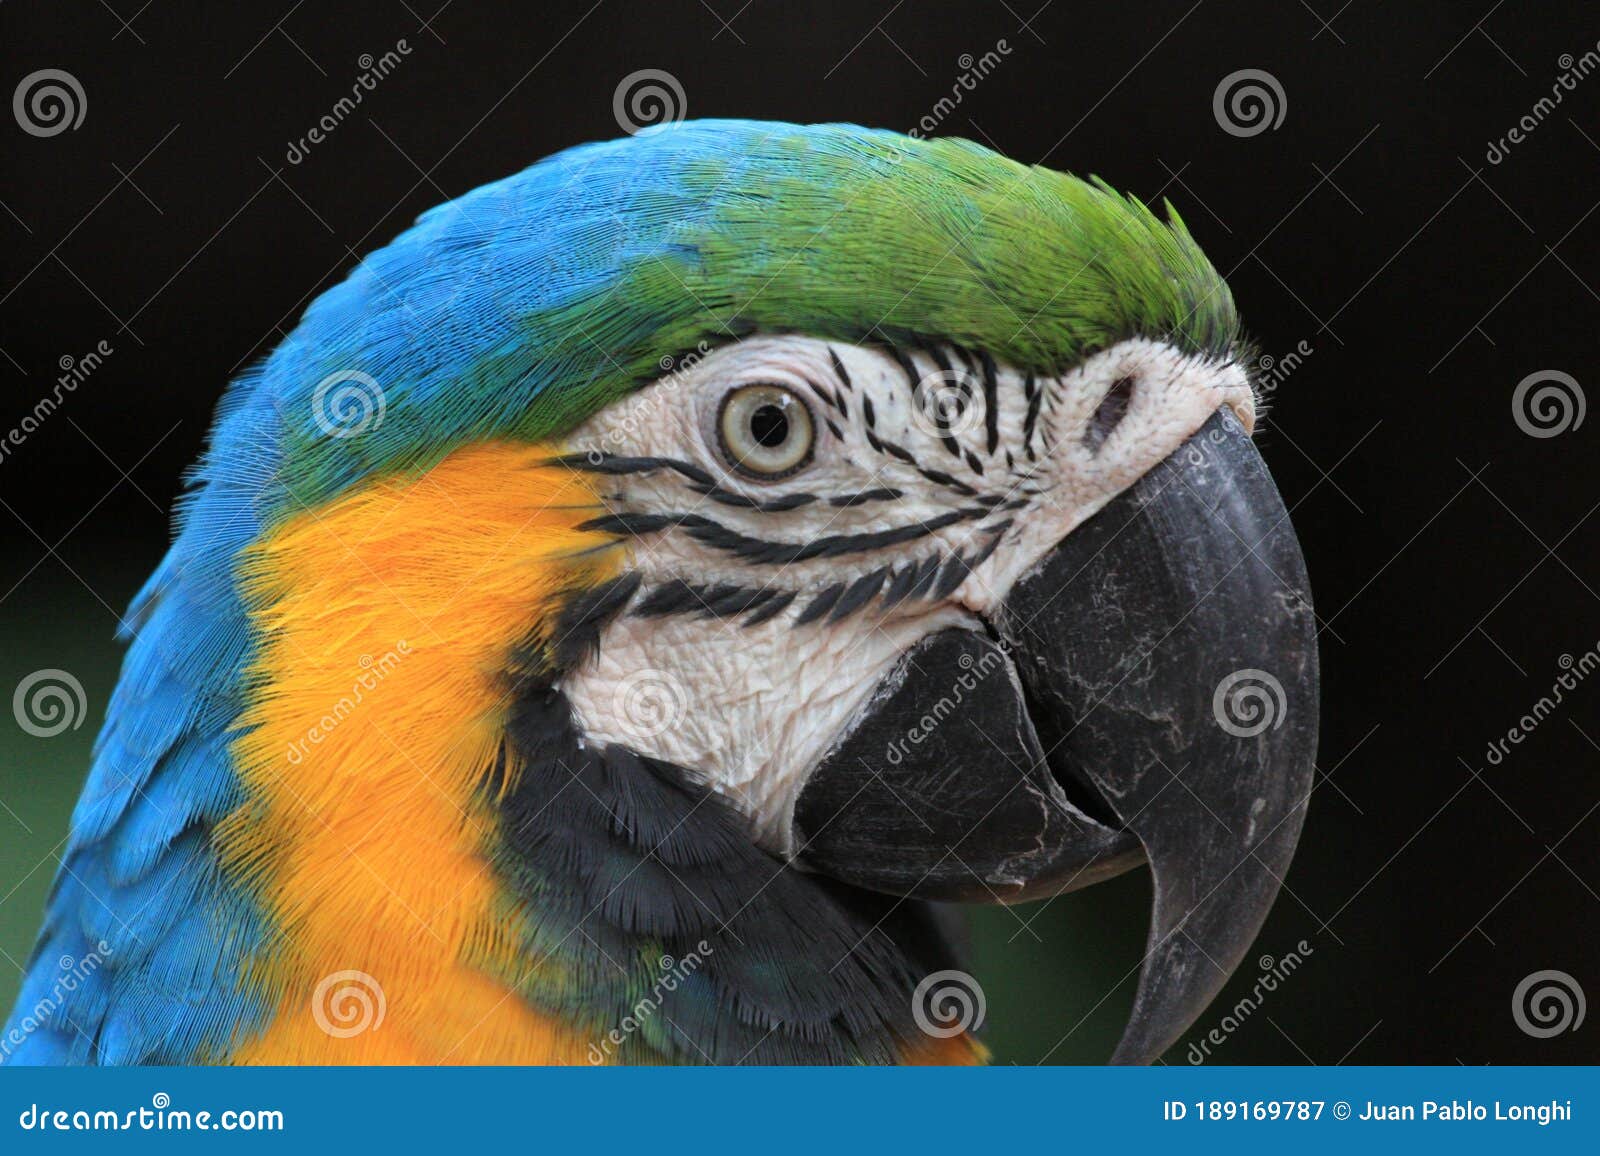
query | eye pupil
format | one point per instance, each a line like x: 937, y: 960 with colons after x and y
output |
x: 769, y: 426
x: 764, y: 431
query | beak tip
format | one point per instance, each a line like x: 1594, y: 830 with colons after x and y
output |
x: 1205, y: 748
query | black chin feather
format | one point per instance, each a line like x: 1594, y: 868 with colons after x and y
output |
x: 621, y: 861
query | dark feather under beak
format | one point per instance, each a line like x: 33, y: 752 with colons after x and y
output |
x: 1147, y: 694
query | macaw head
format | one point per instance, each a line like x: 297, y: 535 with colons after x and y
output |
x: 784, y: 523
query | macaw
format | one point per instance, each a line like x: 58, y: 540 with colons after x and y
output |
x: 621, y: 613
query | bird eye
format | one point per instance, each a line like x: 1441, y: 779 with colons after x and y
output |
x: 765, y: 431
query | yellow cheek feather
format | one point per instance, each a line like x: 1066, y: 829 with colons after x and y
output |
x: 385, y: 625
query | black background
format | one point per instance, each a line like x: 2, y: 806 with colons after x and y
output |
x: 1452, y: 554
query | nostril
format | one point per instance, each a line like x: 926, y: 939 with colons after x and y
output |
x: 1110, y: 414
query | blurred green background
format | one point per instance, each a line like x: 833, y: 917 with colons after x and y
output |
x: 49, y: 620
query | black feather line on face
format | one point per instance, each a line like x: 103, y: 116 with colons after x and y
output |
x: 702, y: 483
x: 820, y: 605
x: 732, y: 601
x: 831, y: 546
x: 576, y: 634
x: 858, y: 594
x: 900, y: 583
x: 886, y: 494
x: 991, y: 399
x: 913, y: 378
x: 839, y: 370
x: 724, y: 600
x: 619, y: 464
x: 983, y: 554
x: 952, y: 574
x: 757, y: 550
x: 1035, y: 396
x: 940, y: 478
x: 934, y: 577
x: 768, y: 506
x: 941, y: 420
x: 772, y: 609
x: 924, y: 577
x: 828, y: 397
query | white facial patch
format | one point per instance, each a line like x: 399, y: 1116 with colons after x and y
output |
x: 768, y: 609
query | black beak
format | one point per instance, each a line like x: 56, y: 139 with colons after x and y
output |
x: 1150, y: 693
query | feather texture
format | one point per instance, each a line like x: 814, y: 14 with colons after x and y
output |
x: 509, y: 316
